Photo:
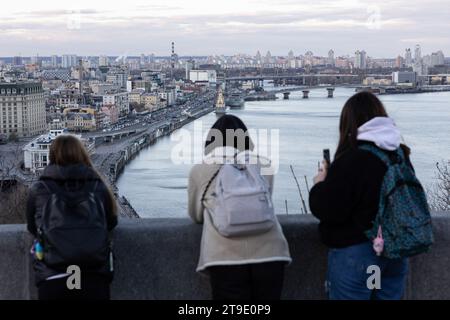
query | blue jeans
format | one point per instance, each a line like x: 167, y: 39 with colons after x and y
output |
x: 348, y: 274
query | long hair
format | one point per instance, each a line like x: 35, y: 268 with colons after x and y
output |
x: 68, y: 150
x: 228, y: 131
x: 360, y: 108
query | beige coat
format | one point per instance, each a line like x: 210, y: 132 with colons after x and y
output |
x: 216, y: 249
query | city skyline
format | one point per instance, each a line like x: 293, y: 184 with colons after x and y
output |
x: 199, y: 29
x: 247, y: 54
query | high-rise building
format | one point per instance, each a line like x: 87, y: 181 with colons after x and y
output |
x: 308, y: 59
x: 142, y: 59
x: 360, y: 60
x: 36, y: 60
x: 363, y: 60
x: 437, y: 59
x: 417, y: 53
x: 331, y: 58
x: 17, y: 61
x: 69, y: 60
x: 22, y: 108
x: 118, y: 78
x: 258, y: 57
x: 420, y: 68
x: 54, y: 61
x: 408, y: 57
x: 399, y: 62
x: 290, y: 55
x: 190, y: 64
x: 103, y: 61
x: 268, y: 57
x: 357, y: 62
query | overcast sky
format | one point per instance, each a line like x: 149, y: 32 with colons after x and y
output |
x: 204, y: 27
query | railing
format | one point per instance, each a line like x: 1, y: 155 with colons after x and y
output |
x: 156, y: 259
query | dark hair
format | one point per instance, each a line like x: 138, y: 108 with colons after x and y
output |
x: 232, y: 133
x: 359, y: 109
x: 68, y: 150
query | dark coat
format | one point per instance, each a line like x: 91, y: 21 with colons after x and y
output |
x: 347, y: 201
x: 73, y: 177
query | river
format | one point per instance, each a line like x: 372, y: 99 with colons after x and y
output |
x: 156, y: 187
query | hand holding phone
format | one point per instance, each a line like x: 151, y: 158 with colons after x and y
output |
x: 326, y: 157
x: 323, y: 170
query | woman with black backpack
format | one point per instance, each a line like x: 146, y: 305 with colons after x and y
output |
x: 243, y: 249
x: 372, y: 209
x: 70, y: 212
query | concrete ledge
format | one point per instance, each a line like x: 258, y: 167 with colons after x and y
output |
x: 156, y: 259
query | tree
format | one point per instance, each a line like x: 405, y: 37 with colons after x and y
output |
x: 439, y: 195
x: 13, y: 194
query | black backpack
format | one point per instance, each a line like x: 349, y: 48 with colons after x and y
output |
x: 73, y: 229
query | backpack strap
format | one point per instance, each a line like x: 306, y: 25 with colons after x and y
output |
x: 214, y: 176
x: 382, y: 155
x: 209, y: 184
x: 42, y: 182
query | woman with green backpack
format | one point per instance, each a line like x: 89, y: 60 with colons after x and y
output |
x: 243, y: 249
x: 372, y: 209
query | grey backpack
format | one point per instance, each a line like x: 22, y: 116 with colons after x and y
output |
x: 243, y: 200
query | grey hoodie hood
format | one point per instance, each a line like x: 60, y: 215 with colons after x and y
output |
x: 382, y: 131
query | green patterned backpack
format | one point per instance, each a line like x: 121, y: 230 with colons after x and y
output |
x: 402, y: 227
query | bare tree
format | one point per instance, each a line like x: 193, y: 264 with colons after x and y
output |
x: 13, y: 194
x: 439, y: 194
x: 303, y: 208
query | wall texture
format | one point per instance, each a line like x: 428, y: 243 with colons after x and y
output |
x: 156, y: 259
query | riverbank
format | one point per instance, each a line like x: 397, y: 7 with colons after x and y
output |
x: 114, y: 156
x: 400, y: 90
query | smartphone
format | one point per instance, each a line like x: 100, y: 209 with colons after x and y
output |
x: 326, y: 156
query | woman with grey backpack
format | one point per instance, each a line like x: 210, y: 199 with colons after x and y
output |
x: 243, y: 249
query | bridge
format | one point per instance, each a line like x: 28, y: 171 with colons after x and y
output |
x: 299, y: 80
x: 156, y: 259
x: 295, y: 76
x: 306, y: 89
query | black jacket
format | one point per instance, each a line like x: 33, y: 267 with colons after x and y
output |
x: 76, y: 176
x: 346, y: 202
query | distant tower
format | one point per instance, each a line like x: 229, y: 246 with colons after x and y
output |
x: 80, y: 74
x: 173, y: 60
x: 190, y: 64
x: 360, y: 60
x: 142, y: 60
x: 258, y: 57
x: 417, y: 53
x: 363, y: 60
x: 173, y: 55
x: 408, y: 57
x: 291, y: 55
x: 331, y: 58
x: 54, y: 61
x: 268, y: 58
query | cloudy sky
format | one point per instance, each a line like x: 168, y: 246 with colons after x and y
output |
x: 203, y: 27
